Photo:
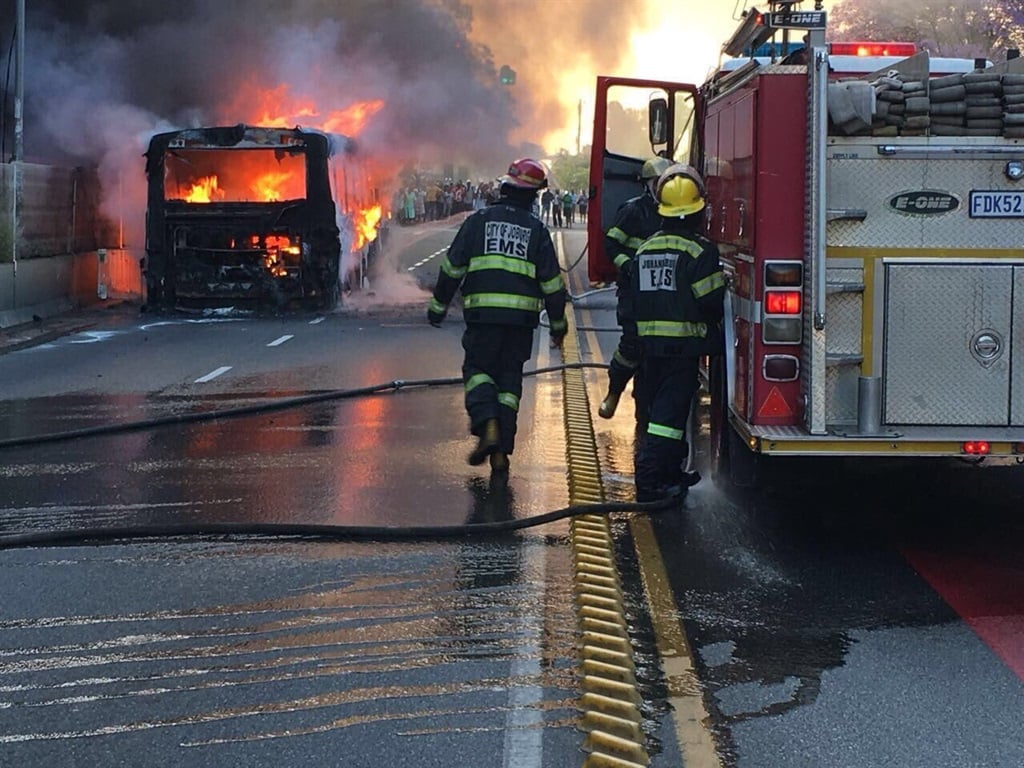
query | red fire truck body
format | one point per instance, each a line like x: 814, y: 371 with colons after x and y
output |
x: 876, y: 280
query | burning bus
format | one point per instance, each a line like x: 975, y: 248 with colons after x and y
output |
x: 253, y: 216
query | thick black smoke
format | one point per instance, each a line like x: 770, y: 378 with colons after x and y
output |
x: 95, y: 69
x: 102, y: 76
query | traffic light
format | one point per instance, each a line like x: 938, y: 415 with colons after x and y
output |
x: 507, y: 75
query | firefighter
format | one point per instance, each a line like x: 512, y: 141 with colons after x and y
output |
x: 504, y: 261
x: 635, y: 221
x: 679, y: 289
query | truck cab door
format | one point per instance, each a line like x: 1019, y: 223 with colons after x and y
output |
x: 634, y: 119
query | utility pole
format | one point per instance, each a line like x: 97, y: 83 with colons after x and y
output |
x: 19, y: 145
x: 19, y: 84
x: 579, y: 123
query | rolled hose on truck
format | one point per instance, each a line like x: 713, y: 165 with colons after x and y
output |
x: 345, y: 532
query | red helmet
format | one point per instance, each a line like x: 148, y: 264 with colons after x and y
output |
x: 526, y: 174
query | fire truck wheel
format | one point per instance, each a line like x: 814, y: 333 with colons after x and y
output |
x: 718, y: 422
x: 733, y: 464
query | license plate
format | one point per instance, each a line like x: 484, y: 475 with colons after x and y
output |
x: 996, y: 205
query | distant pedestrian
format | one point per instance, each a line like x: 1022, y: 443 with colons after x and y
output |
x: 556, y: 210
x: 567, y: 206
x: 546, y: 199
x: 410, y: 206
x: 421, y: 205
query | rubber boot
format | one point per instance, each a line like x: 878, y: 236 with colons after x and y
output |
x: 487, y: 445
x: 609, y: 404
x: 499, y: 463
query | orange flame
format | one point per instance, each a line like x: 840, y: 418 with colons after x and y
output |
x: 204, y: 190
x: 269, y: 185
x: 276, y: 108
x: 351, y: 120
x: 365, y: 223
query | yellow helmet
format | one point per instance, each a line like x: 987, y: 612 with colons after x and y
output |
x: 680, y: 191
x: 654, y: 167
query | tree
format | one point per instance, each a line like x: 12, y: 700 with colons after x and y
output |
x: 570, y: 171
x: 957, y: 28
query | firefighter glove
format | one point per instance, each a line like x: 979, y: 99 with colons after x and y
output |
x: 434, y: 318
x: 557, y: 331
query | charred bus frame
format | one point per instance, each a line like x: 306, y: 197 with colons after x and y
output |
x: 241, y: 215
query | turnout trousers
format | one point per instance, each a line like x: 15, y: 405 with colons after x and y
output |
x: 626, y: 358
x: 666, y: 385
x: 492, y: 372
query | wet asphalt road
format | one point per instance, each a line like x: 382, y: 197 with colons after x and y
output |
x: 859, y: 616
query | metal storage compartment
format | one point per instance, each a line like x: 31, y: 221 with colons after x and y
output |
x: 949, y: 348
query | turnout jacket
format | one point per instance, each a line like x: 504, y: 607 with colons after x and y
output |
x: 676, y: 293
x: 504, y: 261
x: 635, y: 221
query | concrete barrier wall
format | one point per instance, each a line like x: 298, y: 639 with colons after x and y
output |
x: 55, y: 266
x: 43, y: 287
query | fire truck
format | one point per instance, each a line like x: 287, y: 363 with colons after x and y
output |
x: 867, y: 201
x: 256, y: 217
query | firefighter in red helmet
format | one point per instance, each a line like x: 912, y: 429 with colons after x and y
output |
x: 678, y: 289
x: 503, y: 260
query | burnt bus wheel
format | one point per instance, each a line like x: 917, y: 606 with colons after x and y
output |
x: 153, y: 294
x: 329, y: 297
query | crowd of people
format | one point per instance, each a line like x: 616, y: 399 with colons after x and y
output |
x: 435, y: 200
x: 560, y: 208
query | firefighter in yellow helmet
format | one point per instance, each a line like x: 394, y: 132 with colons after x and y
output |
x: 503, y: 261
x: 635, y: 221
x: 677, y: 287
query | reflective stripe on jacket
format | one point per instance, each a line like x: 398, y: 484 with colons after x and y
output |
x: 635, y: 221
x: 678, y: 288
x: 504, y: 261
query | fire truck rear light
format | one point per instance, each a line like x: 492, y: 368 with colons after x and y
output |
x: 783, y: 274
x: 782, y: 302
x: 782, y: 330
x: 781, y: 368
x: 976, y: 448
x: 872, y: 49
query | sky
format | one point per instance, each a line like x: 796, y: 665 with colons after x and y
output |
x: 679, y: 41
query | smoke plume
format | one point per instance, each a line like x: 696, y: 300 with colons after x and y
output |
x: 102, y: 77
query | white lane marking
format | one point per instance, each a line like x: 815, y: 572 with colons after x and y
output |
x: 279, y: 341
x: 524, y: 744
x: 524, y: 721
x: 213, y: 374
x: 435, y: 254
x: 316, y: 320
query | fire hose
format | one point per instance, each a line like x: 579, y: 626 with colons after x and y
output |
x: 280, y: 404
x: 66, y: 537
x: 329, y: 532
